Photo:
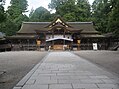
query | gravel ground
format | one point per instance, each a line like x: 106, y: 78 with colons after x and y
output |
x: 17, y: 65
x: 108, y: 60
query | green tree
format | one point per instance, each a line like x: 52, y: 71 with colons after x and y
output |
x: 17, y: 8
x: 69, y: 17
x: 40, y: 14
x: 2, y: 12
x: 67, y: 10
x: 14, y: 17
x: 72, y: 10
x: 56, y: 4
x: 19, y: 20
x: 31, y: 13
x: 8, y: 27
x: 113, y: 24
x: 83, y: 12
x: 100, y: 14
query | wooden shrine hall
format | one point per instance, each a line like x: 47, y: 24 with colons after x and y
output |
x: 57, y: 35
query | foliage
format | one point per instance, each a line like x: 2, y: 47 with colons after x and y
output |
x: 56, y: 4
x: 105, y: 15
x: 8, y: 27
x: 2, y: 12
x: 113, y: 24
x: 72, y: 10
x: 40, y: 14
x: 83, y: 11
x: 19, y: 20
x: 31, y: 13
x: 100, y: 13
x: 14, y: 17
x: 17, y: 7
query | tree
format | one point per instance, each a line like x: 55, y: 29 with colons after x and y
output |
x: 14, y: 17
x: 2, y: 12
x: 84, y: 10
x: 40, y: 14
x: 19, y: 20
x: 8, y: 27
x: 67, y: 10
x: 31, y: 13
x: 113, y: 24
x: 100, y: 14
x: 17, y: 8
x: 72, y: 10
x: 55, y: 4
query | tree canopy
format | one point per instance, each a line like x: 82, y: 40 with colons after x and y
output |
x: 113, y: 23
x: 105, y: 15
x: 72, y: 10
x: 16, y: 8
x: 2, y: 12
x: 14, y: 17
x: 40, y: 14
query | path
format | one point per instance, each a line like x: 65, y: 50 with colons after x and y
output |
x: 64, y: 70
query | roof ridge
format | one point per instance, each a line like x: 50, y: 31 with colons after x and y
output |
x: 50, y: 22
x: 80, y: 22
x: 34, y: 22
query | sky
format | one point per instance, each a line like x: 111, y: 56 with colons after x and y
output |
x: 36, y: 3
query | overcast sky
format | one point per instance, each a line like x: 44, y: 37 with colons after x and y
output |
x: 36, y: 3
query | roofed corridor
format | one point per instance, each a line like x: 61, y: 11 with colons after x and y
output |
x: 64, y: 70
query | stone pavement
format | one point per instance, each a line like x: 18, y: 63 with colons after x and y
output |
x: 64, y: 70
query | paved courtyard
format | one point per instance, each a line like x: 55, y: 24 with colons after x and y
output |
x: 64, y: 70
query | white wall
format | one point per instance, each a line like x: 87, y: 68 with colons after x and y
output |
x: 58, y: 36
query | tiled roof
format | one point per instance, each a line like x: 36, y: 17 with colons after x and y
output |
x: 30, y: 27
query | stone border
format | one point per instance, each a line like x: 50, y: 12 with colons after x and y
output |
x: 22, y: 82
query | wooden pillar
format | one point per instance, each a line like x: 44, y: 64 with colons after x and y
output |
x: 52, y: 34
x: 78, y: 42
x: 38, y: 45
x: 64, y: 33
x: 28, y: 43
x: 20, y: 44
x: 45, y: 41
x: 53, y: 37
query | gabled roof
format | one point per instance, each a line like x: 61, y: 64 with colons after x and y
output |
x: 32, y: 27
x: 59, y: 20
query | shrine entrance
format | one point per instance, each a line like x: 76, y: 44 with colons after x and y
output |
x: 59, y: 44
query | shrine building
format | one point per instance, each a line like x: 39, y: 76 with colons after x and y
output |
x: 58, y: 35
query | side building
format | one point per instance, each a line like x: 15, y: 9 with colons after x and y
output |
x: 4, y: 44
x: 58, y: 35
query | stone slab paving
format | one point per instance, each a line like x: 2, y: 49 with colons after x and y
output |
x: 64, y: 70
